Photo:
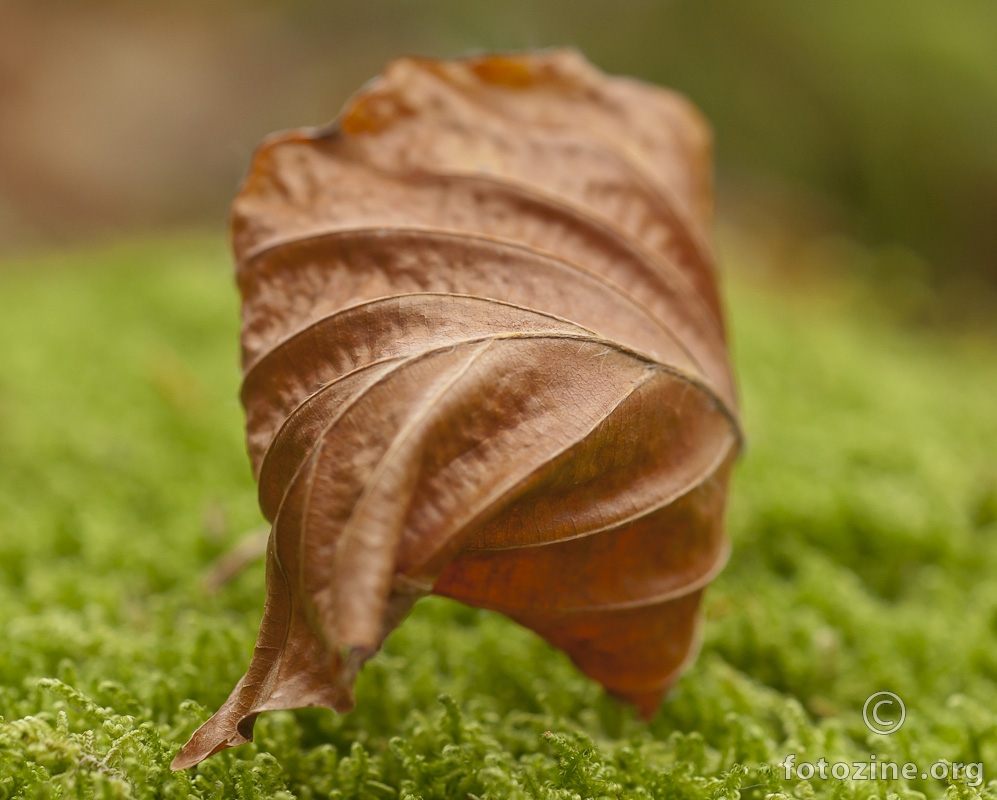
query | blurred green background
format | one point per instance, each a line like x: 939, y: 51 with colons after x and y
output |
x: 872, y: 120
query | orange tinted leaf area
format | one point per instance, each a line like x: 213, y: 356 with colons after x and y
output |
x: 484, y: 357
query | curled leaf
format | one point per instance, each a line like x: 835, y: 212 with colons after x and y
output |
x: 484, y: 357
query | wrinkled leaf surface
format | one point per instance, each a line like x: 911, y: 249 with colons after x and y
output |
x: 484, y: 357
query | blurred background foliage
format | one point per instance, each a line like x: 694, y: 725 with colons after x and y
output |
x: 843, y: 128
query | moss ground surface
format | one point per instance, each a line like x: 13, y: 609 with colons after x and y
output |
x: 863, y: 516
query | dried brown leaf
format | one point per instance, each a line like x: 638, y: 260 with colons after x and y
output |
x: 484, y: 358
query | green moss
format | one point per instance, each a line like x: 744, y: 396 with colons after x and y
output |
x: 863, y: 521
